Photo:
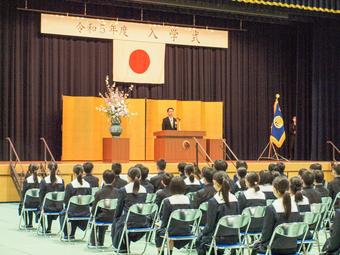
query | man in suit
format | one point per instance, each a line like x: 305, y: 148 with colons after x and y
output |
x: 292, y: 135
x: 169, y: 123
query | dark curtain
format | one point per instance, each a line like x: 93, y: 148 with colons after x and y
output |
x: 36, y: 70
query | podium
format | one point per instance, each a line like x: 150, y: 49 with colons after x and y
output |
x: 176, y: 146
x: 116, y: 150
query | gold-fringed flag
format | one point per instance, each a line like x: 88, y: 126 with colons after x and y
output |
x: 278, y: 135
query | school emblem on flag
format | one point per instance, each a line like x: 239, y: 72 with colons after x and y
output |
x: 138, y: 62
x: 278, y: 135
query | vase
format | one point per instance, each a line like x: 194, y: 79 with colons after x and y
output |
x: 116, y: 129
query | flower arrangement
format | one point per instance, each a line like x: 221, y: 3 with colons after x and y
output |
x: 115, y: 105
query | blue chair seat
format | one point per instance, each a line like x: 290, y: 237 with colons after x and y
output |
x: 31, y: 209
x: 140, y: 229
x: 251, y: 233
x: 54, y: 213
x: 229, y: 246
x: 188, y: 237
x: 307, y: 241
x: 101, y: 223
x: 296, y: 253
x: 79, y: 218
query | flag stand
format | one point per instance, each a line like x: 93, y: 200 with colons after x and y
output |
x: 272, y: 153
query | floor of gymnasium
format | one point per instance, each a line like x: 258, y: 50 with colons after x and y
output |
x: 15, y: 242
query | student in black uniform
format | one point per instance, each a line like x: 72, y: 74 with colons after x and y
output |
x: 144, y: 178
x: 315, y: 166
x: 192, y: 184
x: 319, y: 183
x: 132, y: 193
x: 301, y: 171
x: 295, y: 188
x: 31, y: 181
x: 266, y: 180
x: 238, y: 164
x: 118, y: 182
x: 334, y: 186
x: 92, y: 180
x: 165, y: 192
x: 180, y: 168
x: 223, y: 203
x: 240, y: 184
x: 308, y: 189
x: 103, y: 215
x: 156, y: 180
x: 177, y: 200
x: 283, y: 210
x: 208, y: 190
x: 51, y: 183
x: 77, y: 187
x: 272, y: 167
x: 221, y: 165
x: 281, y: 168
x: 332, y: 245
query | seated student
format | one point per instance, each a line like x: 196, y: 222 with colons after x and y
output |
x: 239, y: 163
x: 77, y: 187
x: 223, y: 203
x: 51, y: 183
x: 308, y: 189
x: 144, y: 181
x: 315, y: 166
x: 197, y: 173
x: 266, y: 179
x: 31, y: 181
x: 295, y: 188
x: 281, y: 168
x: 319, y: 183
x: 222, y: 165
x: 240, y: 184
x: 132, y: 193
x: 103, y: 215
x: 283, y: 210
x: 180, y: 168
x: 161, y: 194
x: 156, y: 180
x: 177, y: 200
x: 332, y: 245
x: 191, y: 182
x: 334, y: 185
x: 208, y: 190
x: 118, y: 182
x: 92, y: 180
x: 301, y: 171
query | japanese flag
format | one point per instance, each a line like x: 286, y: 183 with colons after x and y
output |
x: 138, y: 62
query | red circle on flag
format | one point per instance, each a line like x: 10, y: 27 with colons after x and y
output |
x: 139, y: 61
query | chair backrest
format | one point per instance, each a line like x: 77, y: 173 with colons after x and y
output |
x: 143, y: 209
x: 108, y: 203
x: 293, y: 230
x: 327, y: 201
x: 32, y: 193
x: 311, y: 218
x: 337, y: 197
x: 234, y: 221
x: 319, y: 208
x: 81, y: 200
x: 255, y: 211
x: 191, y: 195
x: 94, y: 190
x: 187, y: 215
x: 150, y: 198
x: 204, y: 207
x: 57, y: 196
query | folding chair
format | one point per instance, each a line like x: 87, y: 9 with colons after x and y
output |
x: 31, y: 193
x: 106, y: 204
x: 187, y: 216
x: 57, y: 197
x: 290, y: 230
x: 143, y: 210
x: 80, y: 200
x: 255, y: 213
x: 150, y: 198
x: 203, y: 208
x: 94, y: 190
x: 191, y: 196
x: 332, y: 208
x: 235, y: 222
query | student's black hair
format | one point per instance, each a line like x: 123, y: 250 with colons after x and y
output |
x: 53, y: 167
x: 275, y: 174
x: 181, y: 167
x: 197, y: 171
x: 222, y: 179
x: 308, y: 178
x: 135, y: 174
x: 336, y: 168
x: 78, y: 171
x: 33, y: 170
x: 116, y: 168
x: 177, y: 185
x: 241, y: 163
x: 189, y: 171
x: 296, y: 188
x: 281, y: 185
x: 301, y: 171
x: 161, y: 164
x: 108, y: 176
x: 315, y: 166
x: 266, y: 177
x: 281, y: 167
x: 272, y: 167
x: 253, y: 180
x: 319, y: 176
x: 166, y: 178
x: 170, y: 108
x: 88, y: 167
x: 242, y: 172
x: 220, y: 165
x: 144, y: 172
x: 207, y: 174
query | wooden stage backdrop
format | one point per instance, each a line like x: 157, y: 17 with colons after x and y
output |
x: 84, y: 127
x: 8, y: 192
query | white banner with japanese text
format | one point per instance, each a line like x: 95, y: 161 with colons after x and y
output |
x: 132, y: 31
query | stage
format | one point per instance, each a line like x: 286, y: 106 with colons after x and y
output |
x: 8, y: 192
